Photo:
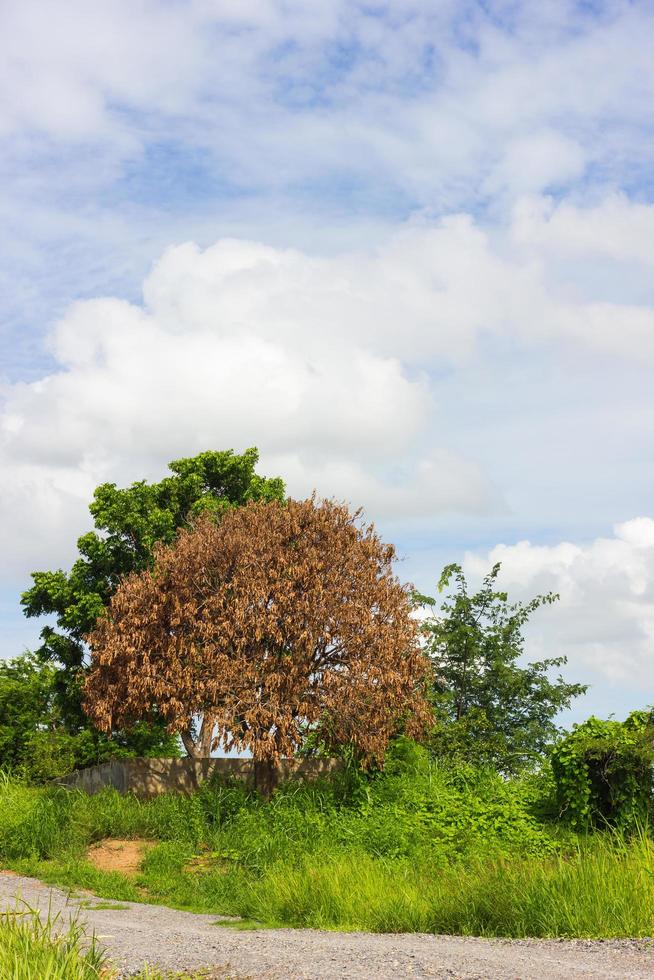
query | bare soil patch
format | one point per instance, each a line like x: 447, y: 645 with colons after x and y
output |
x: 124, y: 856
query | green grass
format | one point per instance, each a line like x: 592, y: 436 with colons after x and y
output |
x: 420, y: 848
x: 103, y: 906
x: 35, y: 949
x: 240, y: 925
x: 602, y: 890
x: 44, y: 948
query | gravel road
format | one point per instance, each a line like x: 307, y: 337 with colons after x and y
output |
x: 139, y: 934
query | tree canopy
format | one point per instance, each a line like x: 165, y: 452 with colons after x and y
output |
x: 277, y: 617
x: 129, y: 522
x: 35, y: 742
x: 26, y: 705
x: 489, y: 706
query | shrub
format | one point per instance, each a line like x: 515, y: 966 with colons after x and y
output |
x: 604, y: 771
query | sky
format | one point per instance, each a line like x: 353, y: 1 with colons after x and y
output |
x: 405, y: 248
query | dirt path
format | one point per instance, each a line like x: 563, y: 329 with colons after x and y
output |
x: 136, y: 934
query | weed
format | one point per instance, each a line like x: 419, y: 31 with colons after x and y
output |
x: 32, y: 948
x: 420, y: 847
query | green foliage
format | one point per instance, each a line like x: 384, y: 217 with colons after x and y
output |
x: 34, y: 740
x: 599, y: 889
x: 32, y: 948
x: 604, y: 771
x: 420, y: 847
x: 48, y: 754
x: 490, y: 709
x: 27, y: 703
x: 417, y: 811
x: 413, y: 806
x: 34, y: 823
x: 129, y: 522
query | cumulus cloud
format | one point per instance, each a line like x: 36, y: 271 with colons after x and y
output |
x: 426, y: 295
x: 240, y: 344
x: 604, y: 622
x: 408, y: 492
x: 335, y: 366
x: 130, y: 124
x: 615, y: 227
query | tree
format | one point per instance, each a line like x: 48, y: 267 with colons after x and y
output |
x: 26, y: 705
x: 129, y: 523
x: 277, y: 617
x: 33, y: 738
x: 489, y: 707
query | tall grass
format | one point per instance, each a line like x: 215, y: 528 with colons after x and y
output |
x: 397, y: 814
x: 419, y: 848
x: 32, y: 948
x: 605, y: 888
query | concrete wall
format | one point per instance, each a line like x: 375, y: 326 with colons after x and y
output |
x: 149, y: 777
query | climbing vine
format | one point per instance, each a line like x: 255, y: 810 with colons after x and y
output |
x: 604, y: 771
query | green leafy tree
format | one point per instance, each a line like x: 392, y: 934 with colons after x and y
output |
x: 35, y: 742
x: 491, y: 708
x: 129, y: 522
x: 27, y: 704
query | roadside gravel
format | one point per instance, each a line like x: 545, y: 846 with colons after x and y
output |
x: 138, y: 934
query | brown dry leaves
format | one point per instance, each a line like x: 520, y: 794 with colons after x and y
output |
x: 279, y: 615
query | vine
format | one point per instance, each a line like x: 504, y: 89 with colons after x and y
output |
x: 604, y: 771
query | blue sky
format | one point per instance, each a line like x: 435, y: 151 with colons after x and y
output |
x: 405, y: 248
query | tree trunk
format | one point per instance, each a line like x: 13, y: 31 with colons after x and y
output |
x: 200, y: 748
x: 266, y: 777
x: 189, y: 744
x: 206, y: 735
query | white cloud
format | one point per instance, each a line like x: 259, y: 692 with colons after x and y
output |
x: 131, y: 124
x: 534, y: 161
x: 408, y: 493
x: 604, y: 621
x: 240, y: 344
x: 335, y: 366
x: 615, y: 227
x: 66, y: 72
x: 427, y: 97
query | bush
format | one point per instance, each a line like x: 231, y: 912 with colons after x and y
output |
x: 604, y: 771
x: 35, y: 742
x: 48, y: 754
